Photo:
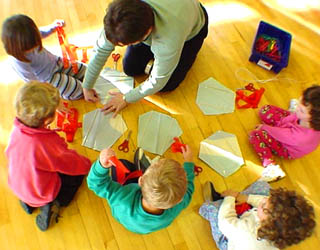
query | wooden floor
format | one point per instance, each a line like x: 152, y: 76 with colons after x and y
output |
x: 87, y: 223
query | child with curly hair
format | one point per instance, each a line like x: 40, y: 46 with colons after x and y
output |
x: 42, y: 171
x: 285, y: 134
x: 276, y: 221
x: 22, y: 41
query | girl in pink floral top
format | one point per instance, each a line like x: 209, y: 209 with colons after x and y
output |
x: 288, y: 135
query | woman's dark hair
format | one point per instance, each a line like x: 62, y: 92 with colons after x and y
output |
x: 127, y: 21
x: 290, y: 219
x: 311, y: 97
x: 20, y: 34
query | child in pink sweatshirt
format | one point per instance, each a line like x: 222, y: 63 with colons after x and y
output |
x: 43, y: 172
x: 288, y: 135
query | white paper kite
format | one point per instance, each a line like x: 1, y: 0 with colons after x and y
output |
x: 222, y: 153
x: 213, y: 98
x: 101, y: 131
x: 156, y: 132
x: 114, y: 80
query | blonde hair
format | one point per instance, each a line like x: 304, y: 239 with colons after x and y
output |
x: 164, y: 184
x: 35, y: 102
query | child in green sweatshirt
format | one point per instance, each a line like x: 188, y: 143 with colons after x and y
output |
x: 161, y: 193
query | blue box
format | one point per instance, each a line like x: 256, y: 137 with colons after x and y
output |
x: 284, y: 39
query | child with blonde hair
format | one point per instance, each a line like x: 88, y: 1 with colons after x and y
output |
x: 42, y: 171
x: 22, y: 41
x: 161, y: 193
x: 288, y: 135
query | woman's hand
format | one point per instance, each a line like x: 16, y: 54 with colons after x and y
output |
x: 115, y: 104
x: 90, y: 95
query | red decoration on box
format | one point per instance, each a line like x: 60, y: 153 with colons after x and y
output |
x: 268, y: 46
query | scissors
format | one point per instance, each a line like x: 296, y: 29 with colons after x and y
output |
x: 197, y: 170
x: 124, y: 147
x: 116, y: 57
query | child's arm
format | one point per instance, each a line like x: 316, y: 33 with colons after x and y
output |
x: 252, y: 199
x: 189, y: 168
x: 46, y: 31
x: 24, y: 70
x: 60, y: 158
x: 100, y: 182
x: 228, y: 222
x: 101, y: 52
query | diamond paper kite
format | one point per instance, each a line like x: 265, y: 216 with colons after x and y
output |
x: 111, y: 79
x: 213, y: 98
x: 101, y: 131
x: 222, y: 153
x: 156, y: 132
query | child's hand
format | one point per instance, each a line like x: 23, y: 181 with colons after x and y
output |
x: 241, y: 198
x: 187, y: 154
x: 230, y: 192
x: 58, y: 23
x: 61, y: 109
x: 90, y: 95
x: 105, y: 156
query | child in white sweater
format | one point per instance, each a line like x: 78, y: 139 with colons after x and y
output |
x: 276, y: 221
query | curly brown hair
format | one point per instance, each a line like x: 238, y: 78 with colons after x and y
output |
x: 290, y: 219
x: 311, y: 97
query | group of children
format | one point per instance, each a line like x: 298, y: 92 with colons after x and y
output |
x: 48, y: 173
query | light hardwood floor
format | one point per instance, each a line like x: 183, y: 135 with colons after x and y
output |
x: 87, y: 223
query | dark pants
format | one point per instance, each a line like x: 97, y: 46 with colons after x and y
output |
x: 69, y: 187
x: 130, y: 166
x: 137, y: 56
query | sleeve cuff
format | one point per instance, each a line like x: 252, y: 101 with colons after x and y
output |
x: 99, y: 170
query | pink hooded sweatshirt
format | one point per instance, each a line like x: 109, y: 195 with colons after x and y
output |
x: 35, y: 156
x: 298, y: 140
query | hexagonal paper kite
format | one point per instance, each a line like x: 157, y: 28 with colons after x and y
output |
x: 101, y: 131
x: 156, y: 132
x: 213, y: 98
x: 222, y: 153
x: 113, y: 80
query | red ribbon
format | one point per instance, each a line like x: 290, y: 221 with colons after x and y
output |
x: 69, y: 51
x: 121, y: 171
x: 72, y: 124
x: 177, y: 145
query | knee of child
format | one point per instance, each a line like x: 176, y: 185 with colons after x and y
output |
x: 263, y: 109
x: 252, y: 136
x: 164, y: 184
